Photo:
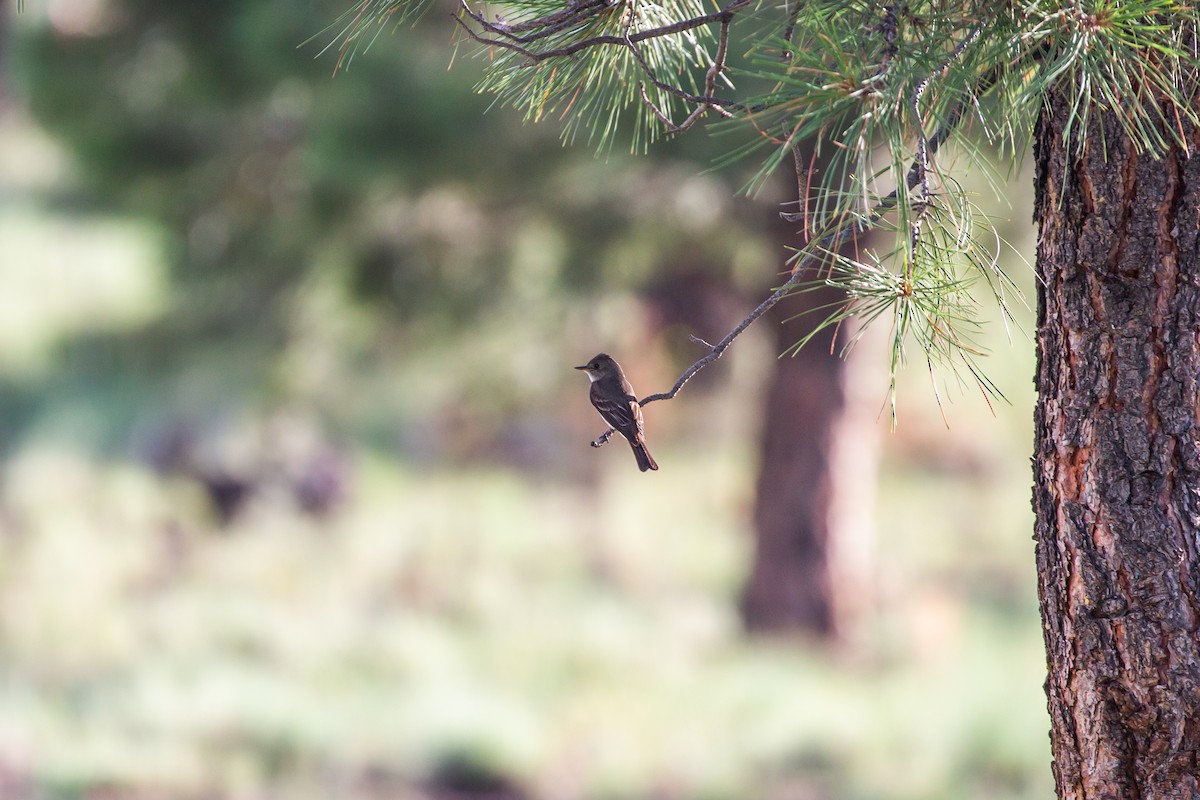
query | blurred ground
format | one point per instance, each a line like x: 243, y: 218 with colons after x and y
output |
x: 359, y: 623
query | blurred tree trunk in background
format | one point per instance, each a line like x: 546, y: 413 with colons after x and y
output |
x: 1117, y: 462
x: 816, y: 481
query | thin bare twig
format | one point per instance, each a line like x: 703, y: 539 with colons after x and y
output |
x: 654, y: 109
x: 822, y: 248
x: 922, y: 160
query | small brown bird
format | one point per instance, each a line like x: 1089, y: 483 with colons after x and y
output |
x: 613, y: 397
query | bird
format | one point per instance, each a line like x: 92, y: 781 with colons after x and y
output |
x: 613, y: 397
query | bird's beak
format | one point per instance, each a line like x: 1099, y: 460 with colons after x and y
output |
x: 584, y: 368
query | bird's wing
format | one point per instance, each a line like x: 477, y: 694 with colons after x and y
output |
x: 625, y: 414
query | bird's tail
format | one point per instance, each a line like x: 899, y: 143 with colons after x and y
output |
x: 642, y: 453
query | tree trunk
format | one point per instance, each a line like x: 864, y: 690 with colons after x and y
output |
x: 1117, y: 462
x: 816, y: 480
x: 816, y: 483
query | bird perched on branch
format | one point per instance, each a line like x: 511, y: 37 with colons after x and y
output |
x: 613, y: 397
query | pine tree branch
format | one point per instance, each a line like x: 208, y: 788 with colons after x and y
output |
x: 550, y: 24
x: 814, y: 254
x: 702, y: 103
x: 522, y: 38
x: 505, y: 38
x: 921, y: 163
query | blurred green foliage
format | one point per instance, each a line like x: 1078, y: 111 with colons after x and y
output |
x: 379, y: 213
x: 537, y: 632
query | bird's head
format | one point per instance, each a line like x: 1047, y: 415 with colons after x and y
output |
x: 600, y: 366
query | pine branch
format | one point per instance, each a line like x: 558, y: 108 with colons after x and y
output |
x: 810, y: 257
x: 602, y: 56
x: 516, y: 43
x: 552, y: 23
x: 921, y: 163
x: 864, y: 76
x: 813, y: 254
x: 702, y: 103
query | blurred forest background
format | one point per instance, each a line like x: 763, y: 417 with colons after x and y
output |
x: 295, y: 495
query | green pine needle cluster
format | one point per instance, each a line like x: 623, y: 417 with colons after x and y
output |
x: 357, y: 28
x: 924, y: 289
x: 595, y: 93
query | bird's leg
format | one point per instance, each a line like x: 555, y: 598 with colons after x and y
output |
x: 603, y: 438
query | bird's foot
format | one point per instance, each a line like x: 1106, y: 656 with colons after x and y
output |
x: 603, y: 438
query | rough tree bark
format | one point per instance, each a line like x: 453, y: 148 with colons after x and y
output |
x: 1117, y: 462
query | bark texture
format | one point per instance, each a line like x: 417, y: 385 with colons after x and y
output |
x: 1117, y: 462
